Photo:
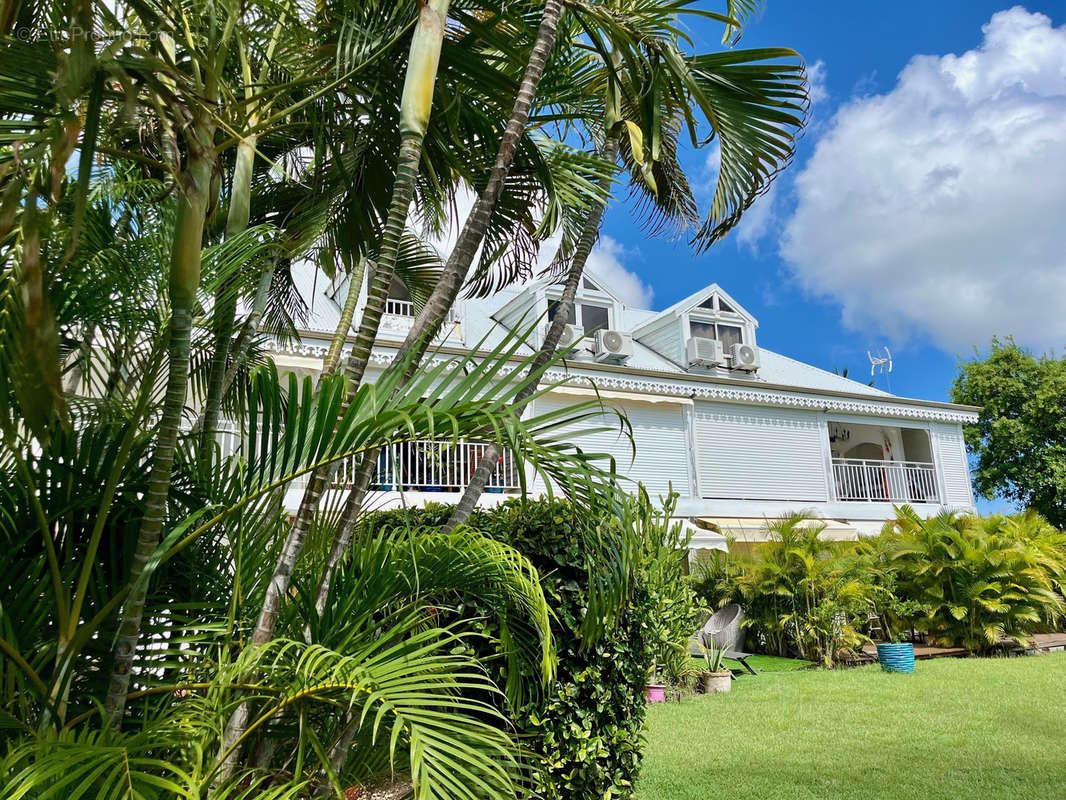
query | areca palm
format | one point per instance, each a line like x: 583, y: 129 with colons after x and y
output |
x: 352, y: 649
x: 627, y: 26
x: 978, y: 580
x: 752, y: 101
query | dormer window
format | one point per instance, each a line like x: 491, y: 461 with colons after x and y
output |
x: 716, y: 303
x: 728, y: 335
x: 399, y: 300
x: 720, y: 319
x: 590, y: 317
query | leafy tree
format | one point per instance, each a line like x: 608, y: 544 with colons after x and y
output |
x: 1019, y: 440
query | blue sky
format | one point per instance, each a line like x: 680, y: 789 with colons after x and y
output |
x: 912, y: 193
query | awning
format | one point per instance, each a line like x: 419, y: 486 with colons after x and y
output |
x: 284, y: 361
x: 753, y: 529
x: 703, y: 539
x: 610, y: 394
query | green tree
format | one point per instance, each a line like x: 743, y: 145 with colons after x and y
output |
x: 1019, y: 440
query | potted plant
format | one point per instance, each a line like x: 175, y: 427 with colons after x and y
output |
x: 717, y: 678
x: 654, y: 690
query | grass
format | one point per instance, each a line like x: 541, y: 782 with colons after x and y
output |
x: 957, y: 728
x: 763, y: 664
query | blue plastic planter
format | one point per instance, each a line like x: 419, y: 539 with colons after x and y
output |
x: 897, y: 657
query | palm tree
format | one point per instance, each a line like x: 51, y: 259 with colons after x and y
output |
x: 470, y: 240
x: 978, y: 579
x: 415, y: 106
x: 642, y: 21
x: 211, y: 564
x: 752, y: 102
x: 535, y: 161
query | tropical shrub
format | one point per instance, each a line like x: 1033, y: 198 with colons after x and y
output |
x: 964, y: 580
x: 978, y: 579
x: 715, y: 576
x: 801, y: 595
x: 619, y: 606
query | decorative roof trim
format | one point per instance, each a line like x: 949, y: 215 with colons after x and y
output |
x: 700, y: 388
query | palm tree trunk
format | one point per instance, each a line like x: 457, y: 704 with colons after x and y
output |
x: 415, y: 107
x: 225, y: 311
x: 421, y: 70
x: 184, y: 281
x: 279, y: 584
x: 442, y: 298
x: 251, y: 324
x: 589, y: 233
x: 455, y: 271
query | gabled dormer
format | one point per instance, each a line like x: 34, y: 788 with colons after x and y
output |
x: 707, y: 332
x: 595, y: 308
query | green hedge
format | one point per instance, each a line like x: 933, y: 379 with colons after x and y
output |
x: 588, y: 726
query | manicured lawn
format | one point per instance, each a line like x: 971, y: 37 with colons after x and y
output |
x: 957, y: 728
x: 763, y: 664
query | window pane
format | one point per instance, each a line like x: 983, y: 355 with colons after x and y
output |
x: 589, y: 285
x: 724, y: 306
x: 553, y: 306
x: 594, y: 318
x: 702, y: 330
x: 729, y: 335
x: 708, y: 303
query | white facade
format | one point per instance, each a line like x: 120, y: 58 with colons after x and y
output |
x: 741, y: 433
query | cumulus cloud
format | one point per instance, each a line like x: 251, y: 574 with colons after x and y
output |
x: 607, y: 261
x: 937, y: 208
x: 816, y: 77
x: 758, y: 220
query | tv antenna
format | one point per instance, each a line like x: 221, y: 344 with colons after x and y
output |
x: 883, y: 364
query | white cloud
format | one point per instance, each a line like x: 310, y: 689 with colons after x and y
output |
x: 938, y: 208
x: 816, y: 76
x: 606, y: 261
x: 758, y: 220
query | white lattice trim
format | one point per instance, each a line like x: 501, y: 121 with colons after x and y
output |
x: 702, y: 390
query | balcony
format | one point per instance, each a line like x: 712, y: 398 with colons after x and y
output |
x: 878, y: 481
x: 399, y: 316
x: 431, y: 466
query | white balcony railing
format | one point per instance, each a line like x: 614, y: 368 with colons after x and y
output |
x: 431, y: 465
x: 885, y: 481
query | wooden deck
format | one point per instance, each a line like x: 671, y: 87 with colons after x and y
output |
x: 925, y: 651
x: 1041, y: 643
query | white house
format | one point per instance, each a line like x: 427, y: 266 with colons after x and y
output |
x: 742, y: 433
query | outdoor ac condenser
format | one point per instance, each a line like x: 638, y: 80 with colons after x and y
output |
x: 704, y: 352
x: 612, y: 347
x: 745, y: 357
x: 572, y: 335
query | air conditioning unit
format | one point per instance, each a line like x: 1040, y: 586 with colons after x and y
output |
x: 745, y: 357
x: 612, y: 346
x: 704, y: 352
x: 572, y: 336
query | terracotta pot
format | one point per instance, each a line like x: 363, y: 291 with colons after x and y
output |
x: 655, y: 693
x: 717, y: 682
